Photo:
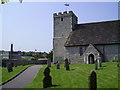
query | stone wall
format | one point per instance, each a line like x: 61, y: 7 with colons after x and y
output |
x: 21, y: 62
x: 72, y: 53
x: 108, y: 52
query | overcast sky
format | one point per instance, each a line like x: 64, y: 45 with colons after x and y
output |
x: 29, y: 25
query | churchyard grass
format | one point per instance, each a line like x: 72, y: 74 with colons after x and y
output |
x: 7, y: 75
x: 77, y: 77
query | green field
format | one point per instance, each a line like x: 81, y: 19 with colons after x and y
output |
x: 77, y: 77
x: 5, y: 75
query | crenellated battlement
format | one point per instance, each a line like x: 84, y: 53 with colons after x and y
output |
x: 65, y: 13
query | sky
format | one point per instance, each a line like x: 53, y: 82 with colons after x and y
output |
x: 29, y: 25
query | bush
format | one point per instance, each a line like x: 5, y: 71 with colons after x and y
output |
x: 27, y: 59
x: 116, y: 60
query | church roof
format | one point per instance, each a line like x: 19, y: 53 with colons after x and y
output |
x: 94, y: 33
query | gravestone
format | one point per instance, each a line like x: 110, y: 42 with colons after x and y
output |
x: 92, y: 81
x: 23, y: 64
x: 100, y: 61
x: 118, y: 65
x: 9, y: 67
x: 57, y: 65
x: 12, y: 64
x: 69, y: 61
x: 67, y: 64
x: 96, y: 64
x: 15, y: 64
x: 47, y: 81
x: 49, y: 62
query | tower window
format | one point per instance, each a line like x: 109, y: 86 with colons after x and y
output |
x: 61, y: 19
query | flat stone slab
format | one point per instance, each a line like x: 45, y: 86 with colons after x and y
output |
x: 24, y: 79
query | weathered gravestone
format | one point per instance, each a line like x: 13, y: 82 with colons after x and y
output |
x: 49, y: 62
x: 67, y: 64
x: 100, y: 62
x: 118, y: 65
x: 96, y: 64
x: 92, y: 81
x: 57, y: 65
x: 12, y: 64
x: 69, y: 61
x: 47, y: 81
x: 9, y: 67
x: 15, y: 64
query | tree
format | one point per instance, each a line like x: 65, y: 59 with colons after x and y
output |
x: 50, y: 55
x: 5, y: 1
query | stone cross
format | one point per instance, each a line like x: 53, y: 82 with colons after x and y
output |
x: 92, y: 81
x: 49, y: 62
x: 47, y: 81
x: 67, y: 64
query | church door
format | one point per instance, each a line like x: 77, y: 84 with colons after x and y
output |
x: 91, y: 59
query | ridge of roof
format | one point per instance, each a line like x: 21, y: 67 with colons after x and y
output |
x: 99, y: 22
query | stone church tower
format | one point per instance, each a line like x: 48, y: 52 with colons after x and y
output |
x: 63, y: 24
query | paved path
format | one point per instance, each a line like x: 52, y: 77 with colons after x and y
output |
x: 24, y: 78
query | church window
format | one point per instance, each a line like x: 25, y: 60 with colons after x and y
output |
x: 81, y: 51
x: 61, y: 19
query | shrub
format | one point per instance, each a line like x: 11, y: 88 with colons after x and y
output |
x: 116, y: 60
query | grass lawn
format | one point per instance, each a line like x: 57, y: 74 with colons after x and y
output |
x: 77, y: 77
x: 7, y: 75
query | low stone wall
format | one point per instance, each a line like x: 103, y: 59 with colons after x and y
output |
x: 21, y: 62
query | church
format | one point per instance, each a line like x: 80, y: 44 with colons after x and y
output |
x: 84, y: 42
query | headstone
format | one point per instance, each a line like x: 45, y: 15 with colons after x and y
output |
x: 9, y: 67
x: 69, y: 61
x: 47, y: 81
x: 96, y: 64
x: 49, y: 62
x: 100, y: 62
x: 92, y: 81
x: 57, y: 65
x: 67, y: 64
x: 118, y: 65
x: 15, y: 64
x: 12, y: 64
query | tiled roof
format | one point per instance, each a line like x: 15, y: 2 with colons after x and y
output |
x: 95, y: 33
